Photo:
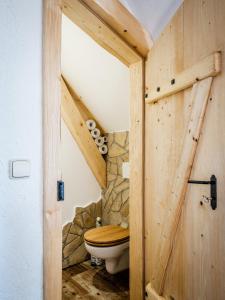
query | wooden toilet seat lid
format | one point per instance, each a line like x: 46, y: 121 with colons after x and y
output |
x: 106, y: 235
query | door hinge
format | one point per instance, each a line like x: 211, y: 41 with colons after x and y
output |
x: 60, y: 190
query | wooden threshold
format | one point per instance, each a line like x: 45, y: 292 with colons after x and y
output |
x: 151, y: 294
x: 207, y: 67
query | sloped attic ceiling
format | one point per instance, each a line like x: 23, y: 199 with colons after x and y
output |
x: 154, y: 15
x: 100, y: 79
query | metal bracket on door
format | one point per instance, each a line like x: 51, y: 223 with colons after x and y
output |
x: 213, y: 189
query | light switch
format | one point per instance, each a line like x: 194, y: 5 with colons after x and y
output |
x: 19, y: 168
x: 126, y: 169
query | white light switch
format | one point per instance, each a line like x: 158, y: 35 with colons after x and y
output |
x: 19, y: 168
x: 126, y: 169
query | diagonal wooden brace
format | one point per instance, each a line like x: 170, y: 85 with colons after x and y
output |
x: 151, y: 294
x: 200, y: 94
x: 75, y: 122
x: 210, y: 66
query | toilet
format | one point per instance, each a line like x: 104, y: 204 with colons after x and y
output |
x: 110, y: 243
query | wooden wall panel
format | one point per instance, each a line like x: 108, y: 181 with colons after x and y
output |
x: 197, y: 267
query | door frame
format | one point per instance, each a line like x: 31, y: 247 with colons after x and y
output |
x: 52, y: 257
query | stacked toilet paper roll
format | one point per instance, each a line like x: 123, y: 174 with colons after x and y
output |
x: 91, y: 124
x: 96, y: 135
x: 99, y: 141
x: 103, y: 149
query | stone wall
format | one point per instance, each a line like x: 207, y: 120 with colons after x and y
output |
x: 73, y: 233
x: 115, y: 199
x: 113, y: 208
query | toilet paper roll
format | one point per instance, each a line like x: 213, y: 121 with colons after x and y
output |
x: 95, y: 133
x: 124, y: 225
x: 99, y: 141
x: 90, y: 124
x: 105, y: 139
x: 103, y: 149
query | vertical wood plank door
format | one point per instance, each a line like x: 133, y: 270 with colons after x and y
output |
x: 197, y: 266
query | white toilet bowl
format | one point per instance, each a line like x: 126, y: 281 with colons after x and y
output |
x: 110, y: 243
x: 116, y: 257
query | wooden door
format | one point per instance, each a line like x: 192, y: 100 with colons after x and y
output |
x: 196, y: 267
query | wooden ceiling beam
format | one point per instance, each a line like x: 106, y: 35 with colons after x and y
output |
x: 113, y: 13
x: 84, y: 110
x: 77, y: 126
x: 79, y: 13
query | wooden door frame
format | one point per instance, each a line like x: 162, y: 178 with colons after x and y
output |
x: 52, y: 260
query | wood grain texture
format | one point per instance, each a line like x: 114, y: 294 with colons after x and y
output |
x: 113, y: 13
x: 108, y: 234
x: 196, y: 268
x: 51, y: 130
x: 163, y: 142
x: 113, y: 43
x: 99, y: 31
x: 151, y: 294
x: 207, y: 67
x: 136, y: 154
x: 176, y: 197
x: 77, y: 126
x: 85, y: 112
x: 82, y: 281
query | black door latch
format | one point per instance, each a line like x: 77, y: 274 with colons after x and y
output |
x: 213, y: 189
x: 60, y: 190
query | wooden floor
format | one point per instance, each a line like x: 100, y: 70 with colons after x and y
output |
x: 85, y: 282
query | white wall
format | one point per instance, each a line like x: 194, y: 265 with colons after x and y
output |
x: 81, y: 187
x: 103, y: 83
x: 20, y: 137
x: 154, y: 15
x: 98, y: 77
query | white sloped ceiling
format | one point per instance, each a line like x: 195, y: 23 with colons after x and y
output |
x: 99, y: 78
x: 154, y: 15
